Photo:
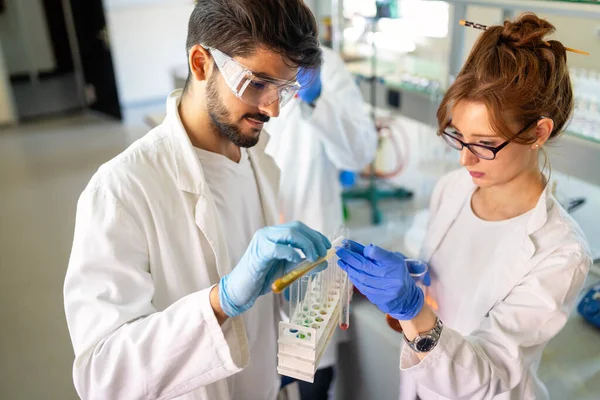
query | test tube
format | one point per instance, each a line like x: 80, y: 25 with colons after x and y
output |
x: 303, y: 268
x: 294, y: 300
x: 345, y: 303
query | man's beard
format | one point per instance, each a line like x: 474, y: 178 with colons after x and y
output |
x: 219, y: 115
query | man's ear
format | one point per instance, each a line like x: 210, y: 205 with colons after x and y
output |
x: 200, y: 62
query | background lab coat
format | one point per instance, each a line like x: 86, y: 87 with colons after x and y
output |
x: 311, y: 146
x: 492, y: 351
x: 147, y: 250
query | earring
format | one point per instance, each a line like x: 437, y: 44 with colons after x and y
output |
x: 537, y: 145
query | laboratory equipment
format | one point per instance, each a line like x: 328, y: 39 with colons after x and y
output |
x: 419, y: 271
x: 303, y: 268
x: 589, y: 307
x: 586, y: 116
x: 375, y: 191
x: 317, y: 304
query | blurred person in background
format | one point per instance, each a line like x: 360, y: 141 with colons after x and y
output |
x: 326, y: 129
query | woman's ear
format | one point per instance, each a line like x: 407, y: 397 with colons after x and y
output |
x: 543, y: 130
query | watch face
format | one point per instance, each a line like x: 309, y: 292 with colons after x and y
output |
x: 426, y: 344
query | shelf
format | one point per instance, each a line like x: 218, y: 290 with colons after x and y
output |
x: 583, y: 137
x: 540, y: 7
x: 434, y: 96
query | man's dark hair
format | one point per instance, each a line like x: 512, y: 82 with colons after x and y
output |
x: 239, y: 27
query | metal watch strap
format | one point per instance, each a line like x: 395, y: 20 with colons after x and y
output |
x: 432, y: 336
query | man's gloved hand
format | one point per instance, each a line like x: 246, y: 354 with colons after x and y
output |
x: 383, y: 277
x: 271, y: 254
x: 310, y: 79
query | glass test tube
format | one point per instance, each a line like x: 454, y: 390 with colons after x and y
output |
x: 293, y: 302
x: 345, y: 303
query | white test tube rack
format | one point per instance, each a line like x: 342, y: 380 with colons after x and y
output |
x: 315, y: 306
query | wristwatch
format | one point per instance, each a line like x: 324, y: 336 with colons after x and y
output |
x: 425, y: 342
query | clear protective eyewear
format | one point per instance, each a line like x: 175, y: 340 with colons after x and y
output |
x: 251, y: 89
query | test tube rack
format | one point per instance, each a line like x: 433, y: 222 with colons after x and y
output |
x: 317, y: 303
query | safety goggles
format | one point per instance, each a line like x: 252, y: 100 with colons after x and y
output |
x: 480, y: 150
x: 251, y: 89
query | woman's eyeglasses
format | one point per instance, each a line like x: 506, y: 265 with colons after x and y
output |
x: 481, y: 150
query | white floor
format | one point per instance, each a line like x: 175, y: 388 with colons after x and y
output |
x: 43, y: 169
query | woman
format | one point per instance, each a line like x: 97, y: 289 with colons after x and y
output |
x: 507, y: 261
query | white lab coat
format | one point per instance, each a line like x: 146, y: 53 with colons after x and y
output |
x: 148, y: 248
x: 311, y: 146
x: 523, y: 300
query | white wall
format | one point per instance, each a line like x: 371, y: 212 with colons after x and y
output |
x: 147, y: 42
x: 25, y: 37
x: 7, y: 111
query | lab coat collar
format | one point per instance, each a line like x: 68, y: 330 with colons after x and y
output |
x: 538, y: 217
x: 189, y: 173
x: 190, y: 178
x: 540, y: 212
x: 454, y: 200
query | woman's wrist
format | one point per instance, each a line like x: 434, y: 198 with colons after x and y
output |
x: 424, y: 321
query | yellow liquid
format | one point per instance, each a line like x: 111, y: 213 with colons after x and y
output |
x: 280, y: 284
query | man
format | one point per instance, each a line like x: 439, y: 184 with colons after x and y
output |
x: 324, y: 130
x: 167, y: 294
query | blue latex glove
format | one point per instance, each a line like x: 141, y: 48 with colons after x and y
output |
x: 270, y: 255
x: 310, y: 79
x: 347, y: 178
x: 383, y: 277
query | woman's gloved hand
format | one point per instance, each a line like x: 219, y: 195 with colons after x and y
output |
x: 271, y: 254
x: 383, y: 277
x: 310, y: 79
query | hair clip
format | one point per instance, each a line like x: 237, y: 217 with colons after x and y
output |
x: 484, y: 27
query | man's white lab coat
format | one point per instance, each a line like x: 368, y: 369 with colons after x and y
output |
x: 147, y: 250
x: 523, y: 299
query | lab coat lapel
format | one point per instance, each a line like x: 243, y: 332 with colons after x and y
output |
x: 190, y: 178
x: 207, y: 220
x: 512, y: 256
x: 267, y: 179
x: 449, y: 209
x: 520, y: 245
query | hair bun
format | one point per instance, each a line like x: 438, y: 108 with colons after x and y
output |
x: 527, y: 31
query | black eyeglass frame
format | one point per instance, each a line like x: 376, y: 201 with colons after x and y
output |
x: 493, y: 149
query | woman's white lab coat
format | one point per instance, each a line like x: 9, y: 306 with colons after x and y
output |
x: 522, y: 301
x: 147, y: 250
